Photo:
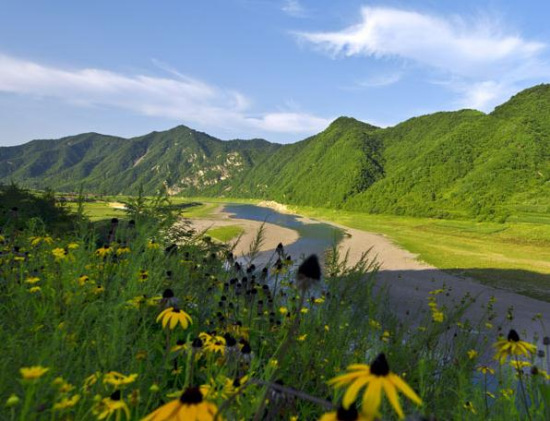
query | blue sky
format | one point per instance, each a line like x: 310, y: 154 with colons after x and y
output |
x: 277, y: 69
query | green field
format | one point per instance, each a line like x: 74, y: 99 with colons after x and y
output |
x: 514, y: 256
x: 225, y: 234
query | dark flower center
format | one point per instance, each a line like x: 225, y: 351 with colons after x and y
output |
x: 197, y: 343
x: 379, y: 366
x: 513, y: 336
x: 310, y: 268
x: 191, y: 396
x: 168, y: 293
x: 246, y: 349
x: 347, y: 414
x: 116, y: 395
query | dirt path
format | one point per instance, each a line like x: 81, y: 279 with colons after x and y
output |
x: 273, y: 234
x: 409, y: 281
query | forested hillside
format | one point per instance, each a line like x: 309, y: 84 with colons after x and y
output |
x: 464, y: 164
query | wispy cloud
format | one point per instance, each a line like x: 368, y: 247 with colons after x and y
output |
x: 476, y: 52
x: 293, y: 8
x: 379, y: 81
x: 179, y: 98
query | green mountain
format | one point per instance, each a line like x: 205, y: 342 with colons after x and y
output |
x: 180, y: 160
x: 451, y: 164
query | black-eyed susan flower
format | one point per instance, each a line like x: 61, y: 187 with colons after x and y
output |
x: 34, y: 372
x: 174, y: 316
x: 113, y: 405
x: 512, y: 346
x: 103, y: 251
x: 378, y: 380
x: 116, y: 379
x: 309, y: 272
x: 469, y: 406
x: 189, y: 407
x: 66, y: 403
x: 485, y: 369
x: 215, y: 344
x: 343, y: 414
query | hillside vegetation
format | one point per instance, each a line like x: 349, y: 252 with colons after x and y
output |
x: 462, y: 164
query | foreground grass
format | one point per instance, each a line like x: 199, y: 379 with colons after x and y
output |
x: 86, y: 337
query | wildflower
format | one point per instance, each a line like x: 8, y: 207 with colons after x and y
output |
x: 215, y: 344
x: 283, y: 310
x: 73, y: 246
x: 59, y: 253
x: 378, y: 379
x: 122, y: 250
x: 117, y: 379
x: 438, y: 316
x: 34, y: 372
x: 174, y: 316
x: 308, y: 272
x: 32, y: 280
x: 385, y: 336
x: 374, y: 324
x: 518, y: 365
x: 153, y: 245
x: 103, y: 251
x: 12, y: 401
x: 190, y: 407
x: 484, y: 369
x: 472, y: 353
x: 143, y: 275
x: 112, y: 405
x: 469, y: 406
x: 35, y: 289
x: 62, y: 385
x: 343, y: 414
x: 512, y: 346
x: 302, y: 338
x: 66, y: 403
x: 90, y: 381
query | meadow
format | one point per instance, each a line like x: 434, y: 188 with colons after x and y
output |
x: 112, y: 320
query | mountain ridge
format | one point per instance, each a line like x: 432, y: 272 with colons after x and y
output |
x: 460, y: 164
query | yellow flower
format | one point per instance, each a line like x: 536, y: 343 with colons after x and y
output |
x: 117, y: 379
x: 59, y: 253
x: 33, y: 372
x: 283, y: 310
x: 35, y: 289
x: 512, y: 346
x: 153, y: 245
x: 374, y: 324
x: 378, y: 379
x: 484, y: 369
x: 103, y: 251
x: 73, y: 246
x: 32, y: 280
x: 472, y: 353
x: 302, y: 338
x: 343, y: 414
x: 174, y: 316
x: 215, y: 344
x: 469, y: 406
x: 62, y: 385
x: 66, y: 403
x: 189, y: 407
x: 90, y: 381
x: 112, y: 405
x: 518, y: 365
x: 385, y: 336
x: 438, y: 316
x: 122, y: 250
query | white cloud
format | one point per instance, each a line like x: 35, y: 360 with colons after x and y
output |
x: 293, y: 8
x: 180, y: 98
x: 379, y: 81
x: 478, y: 53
